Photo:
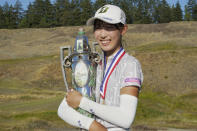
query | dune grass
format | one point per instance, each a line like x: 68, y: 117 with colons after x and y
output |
x: 36, y: 108
x: 26, y: 108
x: 32, y: 87
x: 161, y: 110
x: 160, y: 46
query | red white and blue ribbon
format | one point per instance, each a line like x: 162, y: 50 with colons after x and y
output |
x: 114, y: 63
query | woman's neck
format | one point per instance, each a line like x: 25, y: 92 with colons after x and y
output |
x: 112, y: 52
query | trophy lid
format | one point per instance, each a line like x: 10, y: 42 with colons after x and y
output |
x: 81, y: 42
x: 81, y: 31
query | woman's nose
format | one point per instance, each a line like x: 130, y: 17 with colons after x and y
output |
x: 103, y: 33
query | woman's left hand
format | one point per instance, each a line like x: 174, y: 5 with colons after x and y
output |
x: 73, y: 98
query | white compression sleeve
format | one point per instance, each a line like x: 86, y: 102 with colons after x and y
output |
x: 122, y: 115
x: 73, y: 117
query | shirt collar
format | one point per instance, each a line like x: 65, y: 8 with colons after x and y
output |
x: 110, y: 58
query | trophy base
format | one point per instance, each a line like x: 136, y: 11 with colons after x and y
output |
x: 83, y: 130
x: 84, y: 112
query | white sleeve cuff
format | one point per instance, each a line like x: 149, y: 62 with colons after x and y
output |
x: 122, y: 115
x: 72, y: 117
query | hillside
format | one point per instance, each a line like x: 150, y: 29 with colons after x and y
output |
x: 31, y: 83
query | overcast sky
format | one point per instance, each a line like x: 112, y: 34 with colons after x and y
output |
x: 25, y: 3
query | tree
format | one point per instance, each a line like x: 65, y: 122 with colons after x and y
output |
x: 11, y: 17
x: 143, y: 12
x: 47, y: 19
x: 75, y: 14
x: 194, y: 13
x: 43, y: 22
x: 6, y: 15
x: 59, y: 7
x: 187, y: 15
x: 163, y: 11
x: 139, y: 13
x: 147, y: 12
x: 28, y: 19
x: 177, y: 13
x: 116, y: 2
x: 62, y: 12
x: 8, y: 20
x: 190, y: 6
x: 86, y: 10
x: 155, y: 10
x: 1, y: 17
x: 38, y: 12
x: 18, y: 12
x: 98, y: 4
x: 126, y: 6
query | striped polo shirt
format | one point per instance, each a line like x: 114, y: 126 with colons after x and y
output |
x: 127, y: 72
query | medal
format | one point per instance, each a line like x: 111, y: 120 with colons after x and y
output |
x: 111, y: 68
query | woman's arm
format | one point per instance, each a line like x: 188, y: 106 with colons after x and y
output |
x: 122, y: 115
x: 74, y: 118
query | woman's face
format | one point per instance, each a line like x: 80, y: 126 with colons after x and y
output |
x: 108, y: 36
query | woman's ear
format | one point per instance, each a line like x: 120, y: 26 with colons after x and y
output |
x: 124, y: 29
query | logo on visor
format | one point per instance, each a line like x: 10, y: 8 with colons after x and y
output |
x: 103, y: 9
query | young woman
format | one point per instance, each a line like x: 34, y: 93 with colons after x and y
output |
x: 119, y: 78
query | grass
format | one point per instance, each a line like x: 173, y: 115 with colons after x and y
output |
x: 29, y: 108
x: 20, y: 60
x: 32, y: 87
x: 30, y: 111
x: 24, y: 105
x: 158, y: 109
x: 160, y: 46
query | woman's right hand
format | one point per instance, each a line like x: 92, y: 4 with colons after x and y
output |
x: 95, y: 126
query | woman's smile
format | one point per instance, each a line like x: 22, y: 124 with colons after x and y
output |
x: 105, y: 42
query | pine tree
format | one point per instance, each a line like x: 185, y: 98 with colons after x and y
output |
x: 8, y: 20
x: 38, y: 12
x: 143, y: 14
x: 6, y: 15
x: 12, y: 18
x: 47, y: 19
x: 59, y: 7
x: 173, y: 15
x: 1, y: 18
x: 116, y: 2
x: 139, y: 13
x: 156, y: 11
x: 86, y: 10
x: 152, y: 9
x: 177, y: 13
x: 190, y: 6
x: 68, y: 13
x: 146, y: 13
x: 18, y: 12
x: 163, y: 12
x: 126, y: 6
x: 98, y: 4
x: 187, y: 16
x: 194, y: 13
x: 75, y: 13
x: 43, y: 22
x: 29, y: 19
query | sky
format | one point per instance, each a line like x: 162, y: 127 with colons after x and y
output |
x: 25, y: 3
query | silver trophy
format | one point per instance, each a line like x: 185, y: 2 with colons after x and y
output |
x: 82, y: 63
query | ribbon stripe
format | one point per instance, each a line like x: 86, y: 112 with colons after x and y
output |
x: 111, y: 68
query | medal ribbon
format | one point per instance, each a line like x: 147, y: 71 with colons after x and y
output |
x: 111, y: 68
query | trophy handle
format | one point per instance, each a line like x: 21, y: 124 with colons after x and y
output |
x: 97, y: 56
x: 65, y: 63
x: 94, y: 44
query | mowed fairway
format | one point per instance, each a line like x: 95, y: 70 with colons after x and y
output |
x: 31, y: 83
x: 25, y: 102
